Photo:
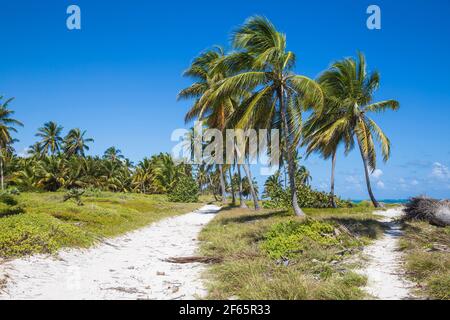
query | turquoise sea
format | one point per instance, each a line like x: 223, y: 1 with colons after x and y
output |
x: 388, y: 201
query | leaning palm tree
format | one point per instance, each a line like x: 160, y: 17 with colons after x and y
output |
x: 350, y: 88
x: 75, y: 143
x: 263, y: 66
x: 7, y: 125
x: 316, y: 140
x: 50, y: 135
x: 213, y: 112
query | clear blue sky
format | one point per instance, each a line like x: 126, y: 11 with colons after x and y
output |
x: 118, y: 77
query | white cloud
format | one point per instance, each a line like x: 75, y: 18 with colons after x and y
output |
x: 380, y: 184
x: 440, y: 171
x: 414, y: 182
x: 377, y: 174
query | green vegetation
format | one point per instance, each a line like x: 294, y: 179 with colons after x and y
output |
x: 185, y: 190
x: 278, y: 197
x: 49, y: 223
x: 271, y: 254
x: 427, y: 256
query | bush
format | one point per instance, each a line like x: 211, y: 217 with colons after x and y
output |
x: 307, y: 198
x: 8, y: 199
x: 291, y: 238
x: 36, y: 233
x: 185, y: 190
x: 75, y: 195
x: 9, y: 205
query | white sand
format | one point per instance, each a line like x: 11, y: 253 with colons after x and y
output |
x: 127, y: 267
x: 386, y: 279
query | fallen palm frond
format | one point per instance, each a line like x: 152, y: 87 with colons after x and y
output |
x: 436, y: 212
x: 182, y: 260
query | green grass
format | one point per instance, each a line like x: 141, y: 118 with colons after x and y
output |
x: 49, y: 224
x: 273, y: 255
x: 427, y: 257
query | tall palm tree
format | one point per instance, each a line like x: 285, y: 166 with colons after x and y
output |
x: 262, y: 65
x: 75, y: 142
x: 213, y: 112
x: 316, y: 140
x: 7, y: 125
x: 50, y: 134
x: 350, y: 88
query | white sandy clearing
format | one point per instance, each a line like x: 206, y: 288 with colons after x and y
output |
x: 127, y: 267
x: 384, y: 271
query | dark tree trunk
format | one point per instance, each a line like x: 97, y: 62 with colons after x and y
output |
x: 222, y: 185
x: 290, y: 160
x: 233, y: 195
x: 241, y: 198
x: 1, y: 174
x: 333, y: 167
x: 366, y: 171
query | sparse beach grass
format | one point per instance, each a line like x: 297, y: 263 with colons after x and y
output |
x: 427, y: 257
x: 262, y: 257
x: 49, y: 224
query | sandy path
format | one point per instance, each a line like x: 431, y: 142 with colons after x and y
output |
x: 127, y: 267
x: 384, y: 270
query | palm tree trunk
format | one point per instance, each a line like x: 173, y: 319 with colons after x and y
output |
x: 241, y: 199
x: 233, y: 194
x: 333, y: 167
x: 1, y: 173
x: 252, y: 188
x: 222, y: 185
x: 291, y: 166
x: 366, y: 171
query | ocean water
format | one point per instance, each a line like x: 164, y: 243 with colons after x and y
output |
x: 388, y: 201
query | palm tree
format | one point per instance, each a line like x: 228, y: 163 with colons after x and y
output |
x: 213, y: 112
x: 113, y: 154
x: 36, y: 151
x: 51, y: 137
x: 7, y: 125
x: 316, y: 140
x: 264, y: 66
x: 350, y: 89
x: 75, y: 142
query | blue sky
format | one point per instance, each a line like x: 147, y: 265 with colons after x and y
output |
x: 118, y: 77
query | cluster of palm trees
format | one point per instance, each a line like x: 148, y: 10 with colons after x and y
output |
x: 252, y: 87
x: 56, y: 162
x: 255, y: 86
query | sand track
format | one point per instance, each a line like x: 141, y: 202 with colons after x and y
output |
x: 127, y: 267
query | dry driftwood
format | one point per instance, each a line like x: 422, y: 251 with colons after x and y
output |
x: 182, y: 260
x: 436, y: 212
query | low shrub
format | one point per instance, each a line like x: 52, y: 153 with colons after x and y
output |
x: 279, y: 198
x: 75, y: 195
x: 36, y: 233
x: 288, y: 239
x: 185, y: 190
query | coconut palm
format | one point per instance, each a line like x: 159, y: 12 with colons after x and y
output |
x: 213, y: 112
x: 350, y: 88
x: 316, y: 140
x: 75, y: 143
x: 264, y: 66
x: 50, y: 134
x: 7, y: 125
x: 113, y: 154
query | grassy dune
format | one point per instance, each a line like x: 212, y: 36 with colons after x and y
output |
x: 49, y: 224
x: 260, y: 259
x: 426, y: 249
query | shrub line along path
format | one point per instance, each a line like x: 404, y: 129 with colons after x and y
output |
x: 128, y: 267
